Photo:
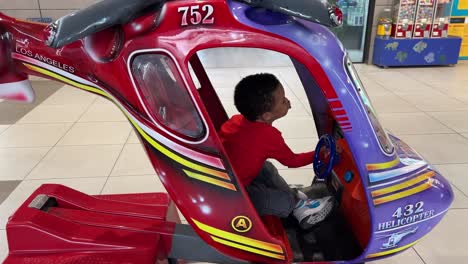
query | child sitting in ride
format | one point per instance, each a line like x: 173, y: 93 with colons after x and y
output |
x: 250, y: 139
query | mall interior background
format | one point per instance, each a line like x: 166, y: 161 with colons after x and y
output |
x: 352, y: 33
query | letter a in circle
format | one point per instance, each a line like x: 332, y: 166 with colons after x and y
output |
x: 241, y: 224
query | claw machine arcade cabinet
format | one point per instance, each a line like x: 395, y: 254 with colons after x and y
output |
x: 403, y: 17
x: 423, y: 20
x: 411, y: 44
x: 441, y: 19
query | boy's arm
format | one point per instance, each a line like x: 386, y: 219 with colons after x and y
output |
x: 282, y: 153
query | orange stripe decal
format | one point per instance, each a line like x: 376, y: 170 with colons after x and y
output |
x: 210, y: 180
x: 249, y: 249
x: 239, y: 239
x: 404, y: 185
x: 383, y: 166
x: 216, y: 173
x: 403, y: 194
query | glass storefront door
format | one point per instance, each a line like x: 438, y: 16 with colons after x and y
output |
x: 353, y: 32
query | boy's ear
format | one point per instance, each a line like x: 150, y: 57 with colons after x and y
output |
x: 267, y: 116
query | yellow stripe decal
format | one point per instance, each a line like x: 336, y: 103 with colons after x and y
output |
x: 210, y: 180
x: 383, y: 166
x: 249, y: 249
x: 395, y: 250
x: 403, y: 194
x: 239, y: 239
x: 150, y: 140
x: 403, y: 185
x: 176, y: 157
x: 66, y: 80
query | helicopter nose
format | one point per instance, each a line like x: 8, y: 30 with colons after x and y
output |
x: 444, y: 190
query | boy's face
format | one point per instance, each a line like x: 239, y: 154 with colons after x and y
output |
x: 281, y: 105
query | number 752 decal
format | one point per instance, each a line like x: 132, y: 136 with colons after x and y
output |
x: 193, y: 15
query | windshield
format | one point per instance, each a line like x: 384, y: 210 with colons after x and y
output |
x: 381, y: 134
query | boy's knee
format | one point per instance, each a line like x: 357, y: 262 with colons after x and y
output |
x: 270, y: 169
x: 287, y: 205
x: 267, y: 165
x: 274, y: 202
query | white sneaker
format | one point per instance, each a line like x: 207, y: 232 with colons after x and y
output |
x: 311, y: 212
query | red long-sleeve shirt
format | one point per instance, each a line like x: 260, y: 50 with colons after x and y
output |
x: 249, y: 144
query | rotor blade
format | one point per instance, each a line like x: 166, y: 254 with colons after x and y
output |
x: 93, y: 19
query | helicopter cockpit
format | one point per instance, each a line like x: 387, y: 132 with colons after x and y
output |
x: 147, y: 57
x: 342, y: 236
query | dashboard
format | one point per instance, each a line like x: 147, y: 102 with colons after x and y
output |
x: 346, y: 185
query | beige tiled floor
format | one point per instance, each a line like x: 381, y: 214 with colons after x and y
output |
x: 3, y: 128
x: 33, y: 135
x: 77, y: 162
x: 408, y: 256
x: 413, y: 123
x: 68, y: 95
x: 456, y: 173
x: 447, y: 242
x: 17, y: 163
x: 456, y: 120
x: 132, y: 161
x: 76, y: 139
x: 97, y: 133
x: 440, y: 148
x: 133, y: 184
x: 3, y: 241
x: 102, y: 111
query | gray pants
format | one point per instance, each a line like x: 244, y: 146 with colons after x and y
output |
x: 270, y: 194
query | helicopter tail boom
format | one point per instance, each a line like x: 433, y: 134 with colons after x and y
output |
x: 14, y: 85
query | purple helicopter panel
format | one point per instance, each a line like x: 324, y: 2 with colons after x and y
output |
x: 409, y: 197
x: 406, y: 196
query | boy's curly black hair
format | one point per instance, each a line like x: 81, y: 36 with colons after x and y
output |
x: 253, y: 95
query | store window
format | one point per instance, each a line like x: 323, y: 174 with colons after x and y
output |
x: 164, y: 94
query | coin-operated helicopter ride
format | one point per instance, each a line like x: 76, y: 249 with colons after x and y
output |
x: 140, y: 55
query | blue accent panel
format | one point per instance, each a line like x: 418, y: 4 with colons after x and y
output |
x: 313, y: 204
x: 267, y: 17
x: 458, y: 12
x: 348, y: 177
x: 416, y: 52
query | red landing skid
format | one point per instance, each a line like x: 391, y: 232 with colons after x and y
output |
x: 57, y: 225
